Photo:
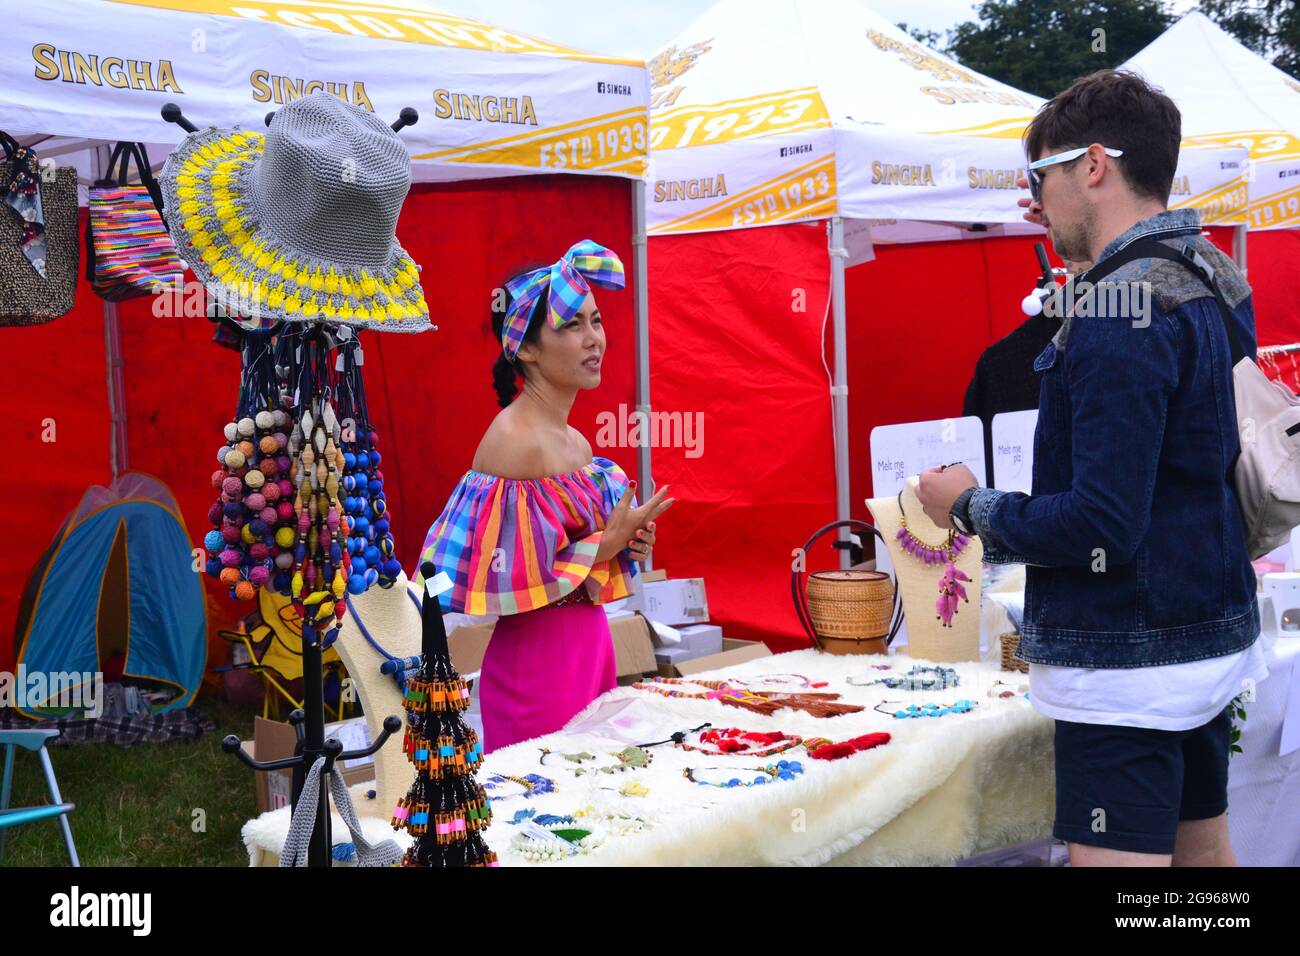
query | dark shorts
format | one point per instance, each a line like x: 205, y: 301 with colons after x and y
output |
x: 1126, y: 788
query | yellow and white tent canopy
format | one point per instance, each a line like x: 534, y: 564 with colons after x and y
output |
x: 1230, y: 96
x: 772, y: 111
x: 491, y: 101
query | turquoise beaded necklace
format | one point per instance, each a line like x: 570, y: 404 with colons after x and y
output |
x: 927, y: 710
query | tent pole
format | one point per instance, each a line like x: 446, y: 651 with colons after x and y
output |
x: 117, y: 448
x: 116, y: 391
x: 840, y: 388
x: 641, y: 323
x: 1239, y: 247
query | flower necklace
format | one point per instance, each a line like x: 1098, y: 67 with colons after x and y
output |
x: 781, y: 770
x: 915, y: 679
x: 926, y: 710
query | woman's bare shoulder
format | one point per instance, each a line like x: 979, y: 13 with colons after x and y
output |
x: 580, y: 442
x: 510, y: 449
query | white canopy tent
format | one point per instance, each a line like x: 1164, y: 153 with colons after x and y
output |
x: 1230, y: 96
x: 779, y: 111
x: 79, y: 75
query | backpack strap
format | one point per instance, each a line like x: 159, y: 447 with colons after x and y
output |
x: 1185, y: 256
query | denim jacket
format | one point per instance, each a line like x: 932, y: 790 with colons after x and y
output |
x: 1133, y: 537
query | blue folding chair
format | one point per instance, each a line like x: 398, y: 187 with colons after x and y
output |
x: 32, y: 740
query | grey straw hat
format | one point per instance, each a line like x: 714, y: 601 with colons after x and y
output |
x: 299, y: 223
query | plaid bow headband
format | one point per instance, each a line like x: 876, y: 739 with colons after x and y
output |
x: 568, y: 280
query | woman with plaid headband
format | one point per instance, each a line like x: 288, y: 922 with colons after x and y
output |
x: 540, y: 532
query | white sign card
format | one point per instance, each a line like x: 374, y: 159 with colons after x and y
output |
x: 900, y: 451
x: 1013, y: 450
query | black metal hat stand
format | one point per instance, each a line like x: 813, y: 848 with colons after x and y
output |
x: 308, y: 722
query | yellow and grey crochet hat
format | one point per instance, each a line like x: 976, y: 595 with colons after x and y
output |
x: 299, y: 223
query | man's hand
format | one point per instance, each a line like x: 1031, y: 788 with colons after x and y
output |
x: 1033, y: 211
x: 939, y: 487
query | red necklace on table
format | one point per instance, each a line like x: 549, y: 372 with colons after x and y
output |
x: 742, y: 743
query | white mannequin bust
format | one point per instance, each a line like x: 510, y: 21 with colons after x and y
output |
x: 918, y: 582
x: 394, y: 621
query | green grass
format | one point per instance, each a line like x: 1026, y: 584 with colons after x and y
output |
x: 136, y: 805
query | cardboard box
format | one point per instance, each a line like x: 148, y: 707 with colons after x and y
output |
x: 733, y: 652
x: 701, y: 639
x: 633, y: 651
x: 468, y: 645
x: 675, y: 601
x: 273, y: 740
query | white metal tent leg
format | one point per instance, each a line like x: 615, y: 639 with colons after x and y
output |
x: 840, y: 388
x: 1239, y: 246
x: 641, y: 324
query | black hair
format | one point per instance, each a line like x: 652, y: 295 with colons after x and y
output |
x: 506, y: 374
x: 1121, y: 110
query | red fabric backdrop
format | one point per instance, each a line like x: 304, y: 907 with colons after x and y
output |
x: 736, y: 320
x: 431, y: 395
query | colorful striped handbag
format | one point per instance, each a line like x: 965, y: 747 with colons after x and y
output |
x: 128, y: 250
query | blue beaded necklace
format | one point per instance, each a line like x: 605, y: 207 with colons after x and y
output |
x: 781, y: 770
x: 926, y: 710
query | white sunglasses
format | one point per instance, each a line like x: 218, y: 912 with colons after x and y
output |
x: 1036, y: 181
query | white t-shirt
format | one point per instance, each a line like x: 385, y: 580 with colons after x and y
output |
x: 1167, y: 697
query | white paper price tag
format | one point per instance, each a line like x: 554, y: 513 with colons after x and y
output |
x: 437, y: 584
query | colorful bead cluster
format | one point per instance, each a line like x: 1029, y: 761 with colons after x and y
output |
x: 371, y: 542
x: 263, y: 275
x: 321, y: 562
x: 251, y: 544
x: 418, y: 818
x: 444, y: 757
x: 423, y: 696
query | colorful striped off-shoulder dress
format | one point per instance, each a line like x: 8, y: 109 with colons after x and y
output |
x: 525, y: 549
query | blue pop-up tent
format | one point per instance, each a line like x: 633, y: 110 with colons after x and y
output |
x: 118, y: 583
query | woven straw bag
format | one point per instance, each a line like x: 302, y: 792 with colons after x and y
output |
x: 25, y: 297
x: 847, y: 612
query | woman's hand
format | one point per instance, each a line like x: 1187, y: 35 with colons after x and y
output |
x: 641, y: 545
x: 625, y: 521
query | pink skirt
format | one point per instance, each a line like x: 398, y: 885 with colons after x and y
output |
x: 540, y: 669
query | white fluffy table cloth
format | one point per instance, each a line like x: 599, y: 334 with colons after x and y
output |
x: 942, y: 789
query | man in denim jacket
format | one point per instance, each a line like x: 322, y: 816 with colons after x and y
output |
x: 1140, y: 620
